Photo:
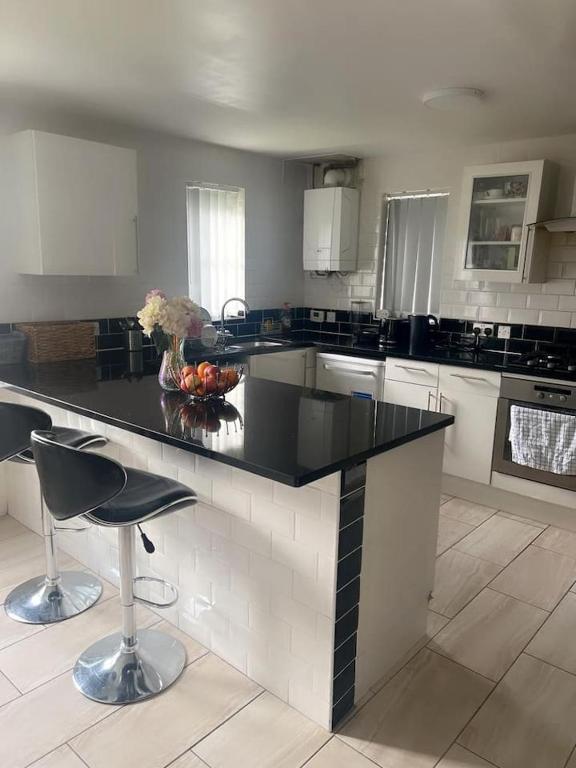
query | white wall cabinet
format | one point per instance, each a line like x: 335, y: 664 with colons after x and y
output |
x: 71, y: 206
x: 331, y: 229
x: 498, y: 202
x: 288, y: 367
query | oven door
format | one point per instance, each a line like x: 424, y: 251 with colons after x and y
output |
x: 502, y: 456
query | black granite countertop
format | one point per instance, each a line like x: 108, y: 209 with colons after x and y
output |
x: 291, y: 434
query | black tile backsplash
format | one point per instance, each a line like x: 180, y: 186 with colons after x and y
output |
x: 523, y: 338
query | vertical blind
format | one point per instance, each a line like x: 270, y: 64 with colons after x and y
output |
x: 410, y: 273
x: 215, y: 244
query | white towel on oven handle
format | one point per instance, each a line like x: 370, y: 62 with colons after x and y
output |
x: 544, y: 440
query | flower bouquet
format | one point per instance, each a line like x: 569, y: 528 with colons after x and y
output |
x: 167, y: 322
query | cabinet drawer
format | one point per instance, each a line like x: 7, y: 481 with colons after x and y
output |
x: 469, y: 380
x: 412, y: 371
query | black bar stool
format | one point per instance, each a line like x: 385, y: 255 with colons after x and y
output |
x: 56, y: 595
x: 130, y: 665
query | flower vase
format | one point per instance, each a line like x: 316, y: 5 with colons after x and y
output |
x: 172, y: 364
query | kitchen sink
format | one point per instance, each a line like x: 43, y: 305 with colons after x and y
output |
x: 253, y: 345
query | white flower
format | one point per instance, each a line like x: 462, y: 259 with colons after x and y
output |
x: 153, y: 313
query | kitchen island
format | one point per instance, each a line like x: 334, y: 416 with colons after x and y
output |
x: 309, y: 559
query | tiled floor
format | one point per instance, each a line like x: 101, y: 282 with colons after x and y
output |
x: 495, y: 686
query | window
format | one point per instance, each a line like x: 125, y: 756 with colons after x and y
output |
x: 410, y: 265
x: 215, y: 244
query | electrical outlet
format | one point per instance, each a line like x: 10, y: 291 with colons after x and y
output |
x: 503, y: 331
x: 317, y: 315
x: 483, y: 327
x: 330, y: 317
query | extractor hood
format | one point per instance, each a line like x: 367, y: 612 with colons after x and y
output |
x: 560, y: 224
x: 565, y: 224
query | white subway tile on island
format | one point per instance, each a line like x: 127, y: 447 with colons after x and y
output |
x: 300, y: 557
x: 274, y: 516
x: 246, y: 481
x: 235, y: 502
x: 254, y: 537
x: 329, y: 484
x: 278, y: 577
x: 304, y: 499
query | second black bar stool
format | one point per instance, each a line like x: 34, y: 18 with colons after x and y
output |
x: 132, y: 664
x: 53, y: 596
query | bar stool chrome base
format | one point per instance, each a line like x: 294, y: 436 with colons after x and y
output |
x: 41, y: 601
x: 113, y: 673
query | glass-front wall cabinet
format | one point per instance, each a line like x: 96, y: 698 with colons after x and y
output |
x: 499, y: 202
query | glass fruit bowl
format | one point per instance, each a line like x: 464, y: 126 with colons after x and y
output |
x: 208, y: 381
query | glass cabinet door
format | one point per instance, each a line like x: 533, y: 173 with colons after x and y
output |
x: 495, y: 226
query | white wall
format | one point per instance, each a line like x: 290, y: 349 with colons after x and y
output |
x: 552, y: 303
x: 274, y: 201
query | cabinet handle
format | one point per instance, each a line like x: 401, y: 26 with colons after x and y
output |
x: 349, y: 370
x: 412, y: 368
x: 137, y: 238
x: 468, y: 378
x: 430, y: 396
x: 441, y: 396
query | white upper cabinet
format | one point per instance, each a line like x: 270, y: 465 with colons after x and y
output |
x: 498, y: 203
x: 71, y: 206
x: 331, y: 229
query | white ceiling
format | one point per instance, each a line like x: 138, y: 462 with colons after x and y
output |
x: 297, y: 77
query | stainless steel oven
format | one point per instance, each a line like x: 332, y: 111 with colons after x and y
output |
x: 541, y: 395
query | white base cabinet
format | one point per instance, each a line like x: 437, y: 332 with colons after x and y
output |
x: 288, y: 367
x: 470, y: 395
x: 69, y: 206
x: 354, y: 376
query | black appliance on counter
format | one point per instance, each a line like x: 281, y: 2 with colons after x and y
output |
x: 395, y: 332
x: 421, y: 332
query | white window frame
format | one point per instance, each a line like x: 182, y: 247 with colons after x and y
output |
x: 212, y: 276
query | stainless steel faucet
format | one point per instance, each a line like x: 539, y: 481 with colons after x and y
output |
x: 223, y: 335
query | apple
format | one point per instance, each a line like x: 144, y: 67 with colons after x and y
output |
x: 187, y: 370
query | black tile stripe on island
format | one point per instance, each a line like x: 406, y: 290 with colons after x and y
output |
x: 348, y: 573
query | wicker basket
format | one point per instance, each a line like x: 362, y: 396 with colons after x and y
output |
x: 53, y: 342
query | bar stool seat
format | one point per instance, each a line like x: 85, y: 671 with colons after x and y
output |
x: 144, y: 497
x: 130, y: 665
x: 75, y: 438
x: 53, y: 596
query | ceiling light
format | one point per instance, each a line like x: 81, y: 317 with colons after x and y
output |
x: 452, y: 99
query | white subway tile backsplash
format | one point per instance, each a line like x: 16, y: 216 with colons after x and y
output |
x: 493, y: 315
x: 560, y: 319
x: 567, y: 303
x: 542, y: 301
x: 569, y: 270
x: 528, y: 316
x: 530, y: 288
x: 560, y: 287
x: 482, y: 298
x: 512, y: 300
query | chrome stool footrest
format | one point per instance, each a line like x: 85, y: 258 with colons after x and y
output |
x: 152, y: 603
x: 45, y: 601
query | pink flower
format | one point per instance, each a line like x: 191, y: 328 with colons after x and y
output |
x: 195, y: 326
x: 155, y: 292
